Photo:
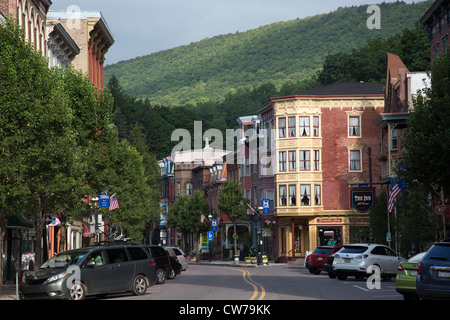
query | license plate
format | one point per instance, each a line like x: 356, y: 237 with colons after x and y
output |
x: 413, y: 273
x: 443, y: 274
x: 347, y: 260
x: 319, y: 258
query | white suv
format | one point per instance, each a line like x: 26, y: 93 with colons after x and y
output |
x: 355, y: 259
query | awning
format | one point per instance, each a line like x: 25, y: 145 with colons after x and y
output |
x: 18, y: 221
x: 87, y: 231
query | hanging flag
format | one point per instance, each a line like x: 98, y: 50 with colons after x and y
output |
x: 394, y: 190
x: 113, y: 203
x: 250, y: 210
x: 203, y: 218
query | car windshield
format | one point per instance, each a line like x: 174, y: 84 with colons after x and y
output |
x: 64, y: 259
x: 353, y: 249
x: 322, y: 250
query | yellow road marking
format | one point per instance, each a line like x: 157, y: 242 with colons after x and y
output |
x: 248, y: 279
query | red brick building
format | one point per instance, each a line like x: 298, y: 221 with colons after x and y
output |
x: 323, y: 140
x: 437, y: 23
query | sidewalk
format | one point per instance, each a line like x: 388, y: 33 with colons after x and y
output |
x: 8, y: 292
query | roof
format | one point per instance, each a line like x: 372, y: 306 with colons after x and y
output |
x: 341, y: 89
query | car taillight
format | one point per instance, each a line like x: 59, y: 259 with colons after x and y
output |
x: 419, y: 268
x: 185, y: 256
x: 152, y: 261
x: 308, y: 258
x: 399, y: 267
x: 168, y: 260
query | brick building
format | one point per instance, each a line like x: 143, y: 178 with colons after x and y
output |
x: 322, y: 142
x: 437, y: 23
x: 93, y: 36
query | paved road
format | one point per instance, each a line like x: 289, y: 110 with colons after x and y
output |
x: 206, y: 282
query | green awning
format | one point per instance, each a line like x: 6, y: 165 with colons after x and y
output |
x: 18, y: 221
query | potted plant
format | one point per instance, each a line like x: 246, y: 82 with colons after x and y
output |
x: 265, y: 260
x: 248, y: 259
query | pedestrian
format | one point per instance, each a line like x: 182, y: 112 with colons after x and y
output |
x: 253, y: 250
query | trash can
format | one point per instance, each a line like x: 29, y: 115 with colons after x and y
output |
x: 236, y: 259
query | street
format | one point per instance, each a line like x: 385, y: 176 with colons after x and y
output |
x: 210, y: 282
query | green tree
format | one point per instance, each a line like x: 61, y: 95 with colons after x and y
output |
x: 232, y: 203
x: 427, y: 138
x: 186, y: 214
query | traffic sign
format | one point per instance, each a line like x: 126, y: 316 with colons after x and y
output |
x: 210, y: 236
x: 266, y: 206
x: 214, y: 225
x: 103, y: 201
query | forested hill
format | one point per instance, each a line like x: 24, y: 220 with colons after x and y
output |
x: 278, y: 53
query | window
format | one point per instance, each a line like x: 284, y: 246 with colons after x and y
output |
x: 317, y: 195
x: 304, y: 160
x: 304, y: 126
x: 269, y: 195
x: 137, y: 253
x: 282, y: 161
x: 282, y: 195
x: 282, y: 127
x: 292, y: 160
x: 354, y: 128
x: 394, y: 139
x: 97, y: 257
x: 316, y: 160
x: 355, y: 160
x: 247, y: 166
x: 315, y: 126
x: 178, y: 188
x: 117, y: 255
x: 292, y: 195
x: 305, y: 194
x: 189, y: 188
x: 291, y: 123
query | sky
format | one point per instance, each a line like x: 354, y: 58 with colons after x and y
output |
x: 142, y: 27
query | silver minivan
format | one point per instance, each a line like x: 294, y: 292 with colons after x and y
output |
x: 96, y: 270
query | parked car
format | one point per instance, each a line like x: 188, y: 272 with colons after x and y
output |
x: 405, y: 281
x: 176, y: 267
x: 433, y: 280
x: 164, y: 266
x: 75, y: 274
x: 355, y: 259
x: 180, y: 255
x: 315, y: 262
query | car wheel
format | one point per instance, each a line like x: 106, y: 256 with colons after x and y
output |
x: 160, y: 276
x: 77, y: 291
x: 171, y: 274
x: 139, y: 285
x: 342, y: 276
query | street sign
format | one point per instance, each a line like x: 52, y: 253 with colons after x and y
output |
x: 210, y: 236
x: 103, y: 201
x: 214, y: 225
x: 266, y: 206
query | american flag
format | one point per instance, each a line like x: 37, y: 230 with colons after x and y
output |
x: 394, y: 190
x: 113, y: 203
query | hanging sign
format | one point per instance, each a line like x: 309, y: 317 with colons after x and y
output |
x: 362, y: 199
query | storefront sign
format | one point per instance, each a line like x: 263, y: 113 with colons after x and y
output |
x: 363, y: 199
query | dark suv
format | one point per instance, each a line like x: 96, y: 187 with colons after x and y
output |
x: 166, y: 266
x: 96, y: 270
x: 433, y: 280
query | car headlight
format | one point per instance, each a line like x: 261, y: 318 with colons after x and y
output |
x: 56, y: 277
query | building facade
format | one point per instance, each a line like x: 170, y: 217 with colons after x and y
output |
x: 437, y: 23
x: 323, y: 139
x: 92, y: 35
